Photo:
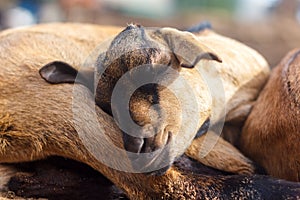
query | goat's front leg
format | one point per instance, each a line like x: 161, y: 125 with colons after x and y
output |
x: 222, y: 156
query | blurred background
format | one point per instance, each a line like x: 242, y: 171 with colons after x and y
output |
x: 270, y: 26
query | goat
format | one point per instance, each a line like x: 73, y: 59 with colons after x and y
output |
x: 37, y: 119
x: 136, y: 46
x: 271, y: 133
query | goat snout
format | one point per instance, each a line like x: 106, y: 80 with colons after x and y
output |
x: 150, y: 155
x: 146, y: 145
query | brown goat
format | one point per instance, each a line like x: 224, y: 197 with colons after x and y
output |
x: 37, y: 120
x: 166, y: 54
x: 271, y: 133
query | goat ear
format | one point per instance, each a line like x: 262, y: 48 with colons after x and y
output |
x: 60, y: 72
x: 187, y: 49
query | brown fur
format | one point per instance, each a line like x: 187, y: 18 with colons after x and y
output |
x: 147, y: 45
x: 229, y: 158
x: 137, y: 46
x: 37, y: 118
x: 271, y: 134
x: 243, y: 72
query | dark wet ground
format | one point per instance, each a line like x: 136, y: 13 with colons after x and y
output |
x: 64, y: 179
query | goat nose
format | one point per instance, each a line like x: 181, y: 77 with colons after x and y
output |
x: 132, y: 144
x: 145, y: 145
x: 151, y: 144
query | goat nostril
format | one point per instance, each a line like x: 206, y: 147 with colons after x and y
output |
x: 169, y: 137
x: 151, y: 145
x: 133, y: 144
x: 145, y: 145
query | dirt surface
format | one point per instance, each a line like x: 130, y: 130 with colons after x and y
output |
x: 59, y: 178
x: 63, y: 179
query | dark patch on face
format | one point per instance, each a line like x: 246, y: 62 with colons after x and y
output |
x: 151, y: 90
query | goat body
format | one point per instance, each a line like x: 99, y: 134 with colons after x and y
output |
x: 271, y: 133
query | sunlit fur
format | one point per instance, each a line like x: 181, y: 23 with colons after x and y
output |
x: 243, y: 73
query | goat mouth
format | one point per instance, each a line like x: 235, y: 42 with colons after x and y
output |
x: 152, y: 163
x: 146, y: 156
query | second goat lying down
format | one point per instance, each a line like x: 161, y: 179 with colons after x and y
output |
x: 271, y: 135
x: 37, y: 118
